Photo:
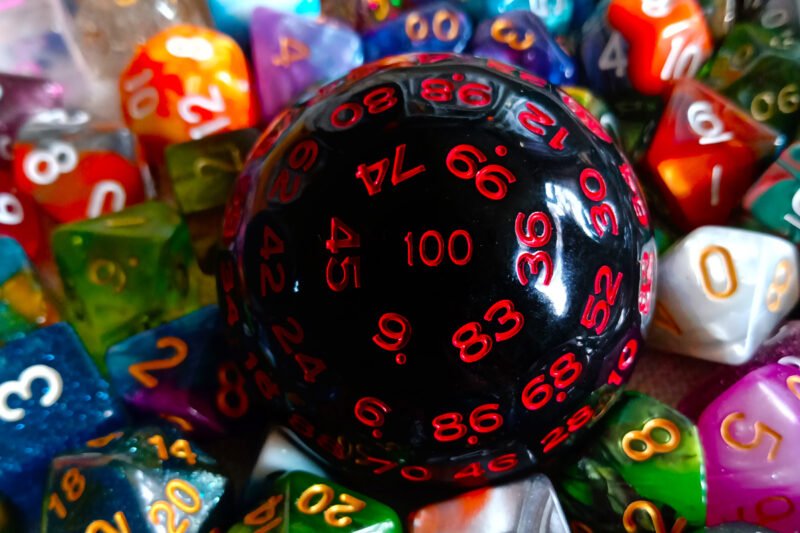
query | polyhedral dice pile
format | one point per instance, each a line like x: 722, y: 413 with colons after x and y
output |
x: 391, y: 265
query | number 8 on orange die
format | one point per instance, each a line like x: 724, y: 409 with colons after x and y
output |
x: 186, y: 83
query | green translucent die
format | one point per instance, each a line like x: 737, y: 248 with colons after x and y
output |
x: 644, y: 450
x: 774, y: 200
x: 304, y: 503
x: 124, y: 273
x: 759, y: 70
x: 202, y: 173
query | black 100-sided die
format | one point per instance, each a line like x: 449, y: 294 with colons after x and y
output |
x: 444, y: 266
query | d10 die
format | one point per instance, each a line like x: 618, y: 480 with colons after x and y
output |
x: 171, y: 371
x: 23, y: 305
x: 301, y: 502
x: 774, y: 200
x: 185, y: 83
x: 705, y: 154
x: 75, y: 168
x: 527, y: 505
x: 149, y: 480
x: 292, y: 53
x: 202, y: 173
x: 21, y: 97
x: 124, y: 273
x: 646, y: 460
x: 747, y: 435
x: 438, y: 27
x: 521, y: 39
x: 668, y: 40
x: 721, y: 292
x: 52, y: 398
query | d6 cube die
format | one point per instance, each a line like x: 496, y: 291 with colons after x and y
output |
x: 124, y: 273
x: 51, y: 398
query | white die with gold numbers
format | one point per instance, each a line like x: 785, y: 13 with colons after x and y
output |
x: 721, y: 292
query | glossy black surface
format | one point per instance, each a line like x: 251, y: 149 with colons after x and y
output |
x: 274, y: 290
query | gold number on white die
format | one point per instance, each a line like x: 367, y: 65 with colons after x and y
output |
x: 716, y: 263
x: 44, y: 166
x: 22, y: 389
x: 781, y: 281
x: 706, y: 124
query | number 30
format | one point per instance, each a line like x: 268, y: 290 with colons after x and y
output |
x: 22, y: 389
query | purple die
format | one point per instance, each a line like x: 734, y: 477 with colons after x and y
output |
x: 22, y: 97
x: 293, y: 53
x: 520, y: 38
x: 749, y: 436
x: 438, y: 27
x: 783, y: 347
x: 171, y: 371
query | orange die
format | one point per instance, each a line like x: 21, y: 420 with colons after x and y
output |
x: 186, y: 83
x: 668, y: 40
x: 705, y: 154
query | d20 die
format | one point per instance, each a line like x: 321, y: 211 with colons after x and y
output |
x: 150, y: 480
x: 299, y: 501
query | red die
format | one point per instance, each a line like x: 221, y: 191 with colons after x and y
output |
x: 705, y: 155
x: 76, y: 169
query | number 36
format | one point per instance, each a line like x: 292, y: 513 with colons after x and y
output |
x: 22, y: 389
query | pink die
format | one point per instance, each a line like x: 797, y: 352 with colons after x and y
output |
x: 751, y: 439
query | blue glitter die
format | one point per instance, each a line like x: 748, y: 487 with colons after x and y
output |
x: 52, y: 398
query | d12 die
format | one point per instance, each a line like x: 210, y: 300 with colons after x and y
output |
x: 705, y: 154
x: 21, y: 97
x: 23, y: 305
x: 235, y: 17
x: 521, y: 39
x: 109, y: 32
x: 20, y: 218
x: 291, y: 53
x: 668, y: 40
x: 149, y: 479
x: 124, y: 273
x: 774, y: 200
x: 299, y: 502
x: 52, y: 398
x: 202, y: 174
x: 438, y: 27
x: 722, y: 291
x: 646, y: 460
x: 168, y: 371
x: 185, y: 83
x: 75, y: 168
x: 747, y: 436
x: 527, y: 505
